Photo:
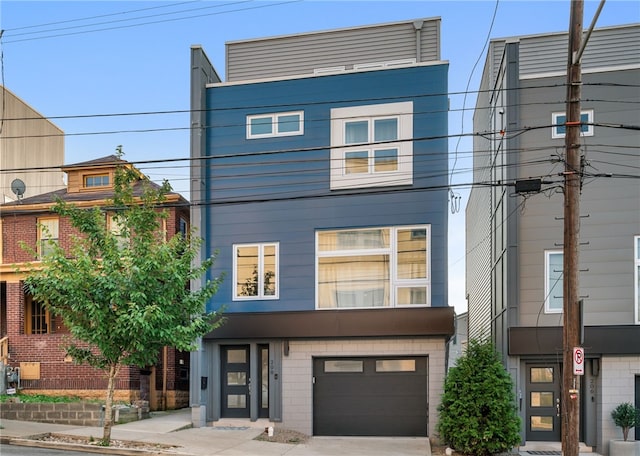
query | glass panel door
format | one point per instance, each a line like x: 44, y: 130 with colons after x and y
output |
x: 543, y: 402
x: 235, y: 381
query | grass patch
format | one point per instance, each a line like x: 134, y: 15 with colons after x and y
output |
x: 39, y: 398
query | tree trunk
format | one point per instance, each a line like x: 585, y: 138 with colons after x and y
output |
x: 108, y: 406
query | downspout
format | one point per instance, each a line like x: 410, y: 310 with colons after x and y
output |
x: 164, y: 378
x: 418, y: 26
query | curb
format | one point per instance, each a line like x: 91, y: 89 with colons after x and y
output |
x: 34, y: 442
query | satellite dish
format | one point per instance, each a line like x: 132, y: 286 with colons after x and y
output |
x: 18, y: 187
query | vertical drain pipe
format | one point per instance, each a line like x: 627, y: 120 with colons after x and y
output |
x: 417, y: 25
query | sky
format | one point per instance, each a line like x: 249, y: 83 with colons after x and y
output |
x: 112, y: 73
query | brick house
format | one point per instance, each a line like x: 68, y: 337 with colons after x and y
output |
x: 32, y: 339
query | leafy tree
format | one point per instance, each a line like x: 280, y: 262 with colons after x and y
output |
x: 478, y: 414
x: 123, y: 293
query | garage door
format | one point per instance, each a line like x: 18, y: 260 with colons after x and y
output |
x: 370, y: 396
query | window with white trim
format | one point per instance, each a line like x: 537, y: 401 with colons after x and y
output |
x: 255, y: 271
x: 636, y: 255
x: 559, y: 119
x: 371, y: 145
x: 373, y: 267
x: 275, y: 124
x: 48, y: 233
x: 553, y: 281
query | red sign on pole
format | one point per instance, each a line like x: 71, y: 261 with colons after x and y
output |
x: 578, y: 361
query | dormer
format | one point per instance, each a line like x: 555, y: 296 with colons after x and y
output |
x: 93, y: 175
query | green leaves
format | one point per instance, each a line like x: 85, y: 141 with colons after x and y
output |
x: 122, y: 289
x: 477, y: 413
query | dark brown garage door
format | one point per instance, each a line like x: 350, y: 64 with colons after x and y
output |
x: 370, y: 396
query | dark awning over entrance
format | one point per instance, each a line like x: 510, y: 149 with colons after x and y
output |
x: 405, y: 322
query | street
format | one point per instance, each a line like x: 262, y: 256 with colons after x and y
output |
x: 15, y: 450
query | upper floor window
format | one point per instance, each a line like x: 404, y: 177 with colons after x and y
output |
x: 636, y: 256
x: 255, y: 271
x: 276, y: 124
x: 48, y: 232
x: 96, y: 180
x: 115, y: 226
x: 374, y: 267
x: 371, y: 145
x: 553, y: 282
x: 559, y: 119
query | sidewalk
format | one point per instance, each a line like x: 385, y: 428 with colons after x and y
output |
x: 225, y: 438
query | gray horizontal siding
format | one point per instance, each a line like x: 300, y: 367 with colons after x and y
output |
x: 606, y: 48
x: 301, y: 54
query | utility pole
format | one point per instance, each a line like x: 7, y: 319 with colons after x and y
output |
x: 572, y: 182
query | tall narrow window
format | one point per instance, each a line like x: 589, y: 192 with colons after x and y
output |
x: 48, y: 232
x: 255, y: 271
x: 554, y: 283
x: 636, y: 248
x: 36, y: 317
x: 118, y: 230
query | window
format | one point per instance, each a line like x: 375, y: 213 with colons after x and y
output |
x: 47, y: 235
x: 553, y: 285
x: 279, y: 124
x: 118, y: 230
x: 96, y: 180
x: 255, y: 271
x: 559, y: 119
x: 636, y: 241
x: 371, y: 145
x: 37, y: 319
x: 374, y: 267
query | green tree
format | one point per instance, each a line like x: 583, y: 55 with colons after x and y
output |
x: 123, y: 294
x: 478, y: 414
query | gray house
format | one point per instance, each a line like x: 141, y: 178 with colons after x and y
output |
x: 514, y: 239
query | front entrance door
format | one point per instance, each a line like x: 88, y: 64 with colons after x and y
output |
x: 235, y: 381
x: 543, y: 402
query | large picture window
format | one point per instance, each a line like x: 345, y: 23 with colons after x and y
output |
x: 374, y: 267
x: 255, y: 271
x: 371, y: 145
x: 554, y: 284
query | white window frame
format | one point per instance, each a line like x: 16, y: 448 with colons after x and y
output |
x: 636, y: 276
x: 46, y: 236
x: 261, y: 295
x: 548, y: 290
x: 275, y: 119
x: 403, y: 175
x: 558, y: 120
x: 395, y: 283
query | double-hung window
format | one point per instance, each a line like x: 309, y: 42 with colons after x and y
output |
x: 373, y: 267
x: 636, y: 245
x: 559, y: 120
x: 48, y: 229
x: 553, y: 283
x: 371, y: 145
x: 255, y: 271
x: 276, y: 124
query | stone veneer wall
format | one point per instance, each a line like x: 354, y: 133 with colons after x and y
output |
x: 617, y: 377
x: 73, y: 413
x: 297, y: 372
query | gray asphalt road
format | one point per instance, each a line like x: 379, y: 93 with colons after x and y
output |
x: 14, y: 450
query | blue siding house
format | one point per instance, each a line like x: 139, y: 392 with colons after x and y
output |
x: 321, y: 167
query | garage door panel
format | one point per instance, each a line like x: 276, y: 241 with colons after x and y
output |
x: 368, y: 402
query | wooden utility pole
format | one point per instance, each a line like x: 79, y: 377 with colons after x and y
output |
x: 572, y: 181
